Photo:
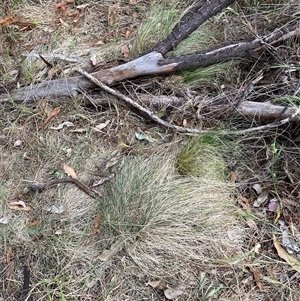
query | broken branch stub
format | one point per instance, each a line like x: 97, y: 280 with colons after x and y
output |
x: 194, y: 17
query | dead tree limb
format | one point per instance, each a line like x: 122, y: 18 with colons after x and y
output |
x: 148, y: 65
x: 141, y: 109
x: 195, y: 17
x: 145, y: 65
x: 154, y: 63
x: 233, y: 51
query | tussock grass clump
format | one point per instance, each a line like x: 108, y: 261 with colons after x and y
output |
x: 201, y: 157
x: 169, y: 222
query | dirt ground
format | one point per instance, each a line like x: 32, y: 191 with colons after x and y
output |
x: 152, y: 214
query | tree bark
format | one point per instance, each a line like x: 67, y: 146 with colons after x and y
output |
x: 195, y: 17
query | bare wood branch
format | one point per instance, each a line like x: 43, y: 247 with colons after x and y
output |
x: 150, y: 64
x: 232, y: 51
x: 266, y: 111
x: 192, y: 20
x: 132, y: 103
x: 270, y: 125
x: 71, y: 87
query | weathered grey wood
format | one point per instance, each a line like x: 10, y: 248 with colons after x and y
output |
x: 71, y: 87
x: 195, y: 17
x: 265, y: 111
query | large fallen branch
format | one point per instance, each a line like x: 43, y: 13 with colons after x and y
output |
x: 150, y: 64
x: 154, y: 63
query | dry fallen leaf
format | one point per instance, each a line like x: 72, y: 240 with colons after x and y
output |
x: 97, y: 224
x: 257, y: 188
x: 8, y: 255
x: 232, y: 177
x: 127, y: 33
x: 52, y: 114
x: 98, y: 43
x: 8, y: 20
x: 261, y: 199
x: 174, y: 292
x: 244, y: 202
x: 101, y: 126
x: 5, y: 219
x: 18, y: 205
x: 62, y: 7
x: 252, y: 224
x: 111, y: 17
x: 17, y: 143
x: 159, y: 284
x: 114, y: 249
x: 57, y: 210
x: 125, y: 51
x: 82, y: 6
x: 69, y: 171
x: 292, y: 261
x: 63, y: 22
x: 93, y: 57
x: 61, y: 125
x: 68, y: 152
x: 34, y: 223
x: 257, y: 279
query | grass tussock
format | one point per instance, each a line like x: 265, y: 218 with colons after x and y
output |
x: 169, y: 222
x: 201, y: 157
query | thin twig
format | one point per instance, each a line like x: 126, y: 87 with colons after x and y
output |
x: 134, y: 104
x: 26, y: 283
x: 41, y: 187
x: 181, y: 129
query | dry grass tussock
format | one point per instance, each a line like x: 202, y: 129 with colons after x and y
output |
x: 169, y: 226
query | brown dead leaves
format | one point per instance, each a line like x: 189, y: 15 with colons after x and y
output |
x: 13, y: 19
x: 51, y: 114
x: 290, y: 260
x: 19, y: 205
x: 70, y: 15
x: 62, y: 6
x: 69, y: 171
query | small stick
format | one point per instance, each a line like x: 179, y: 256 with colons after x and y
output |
x: 131, y: 102
x: 26, y: 283
x: 41, y: 187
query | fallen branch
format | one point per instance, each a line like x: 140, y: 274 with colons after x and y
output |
x: 269, y: 126
x: 41, y: 187
x: 267, y: 111
x: 134, y: 104
x: 194, y: 18
x: 154, y: 63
